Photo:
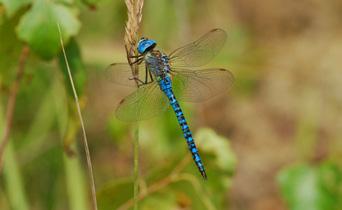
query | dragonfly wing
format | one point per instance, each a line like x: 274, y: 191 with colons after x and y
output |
x: 121, y: 73
x: 146, y: 102
x: 201, y: 85
x: 199, y: 52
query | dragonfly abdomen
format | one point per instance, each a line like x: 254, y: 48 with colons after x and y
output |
x: 166, y: 87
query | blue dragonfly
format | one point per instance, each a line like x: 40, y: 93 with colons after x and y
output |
x: 167, y: 78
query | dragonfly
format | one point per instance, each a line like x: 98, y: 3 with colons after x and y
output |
x: 167, y: 79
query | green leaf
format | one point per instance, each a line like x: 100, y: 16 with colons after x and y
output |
x: 220, y: 162
x: 114, y: 194
x: 312, y: 187
x: 9, y: 51
x: 12, y: 6
x: 189, y: 191
x: 173, y: 196
x: 210, y: 142
x: 38, y: 27
x: 165, y: 201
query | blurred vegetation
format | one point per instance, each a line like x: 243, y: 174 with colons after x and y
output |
x: 273, y: 144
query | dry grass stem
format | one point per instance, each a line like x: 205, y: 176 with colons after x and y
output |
x: 134, y: 15
x: 12, y: 101
x: 85, y: 141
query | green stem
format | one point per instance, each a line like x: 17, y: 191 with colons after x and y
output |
x: 12, y: 177
x: 13, y: 180
x: 75, y: 183
x: 136, y: 167
x: 85, y: 139
x: 68, y: 126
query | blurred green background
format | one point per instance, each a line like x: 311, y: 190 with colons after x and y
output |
x: 272, y: 143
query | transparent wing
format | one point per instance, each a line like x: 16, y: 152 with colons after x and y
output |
x: 146, y: 102
x: 201, y: 85
x: 199, y: 52
x: 121, y: 73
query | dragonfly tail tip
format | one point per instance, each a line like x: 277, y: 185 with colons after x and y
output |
x: 204, y: 175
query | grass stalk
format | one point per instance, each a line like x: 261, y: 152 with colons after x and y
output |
x: 85, y: 141
x: 75, y: 183
x: 13, y: 180
x: 12, y: 177
x: 136, y: 167
x: 134, y: 13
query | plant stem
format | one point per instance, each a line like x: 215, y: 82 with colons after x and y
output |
x: 12, y: 101
x: 85, y: 140
x: 136, y: 167
x: 75, y: 183
x: 13, y: 180
x: 174, y: 176
x: 151, y: 189
x: 134, y: 14
x: 13, y: 183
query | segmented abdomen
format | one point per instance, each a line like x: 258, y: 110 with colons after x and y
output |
x: 165, y: 86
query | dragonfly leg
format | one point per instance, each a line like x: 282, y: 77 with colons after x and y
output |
x: 131, y: 56
x: 151, y: 77
x: 137, y: 61
x: 139, y: 81
x: 135, y: 56
x: 146, y: 72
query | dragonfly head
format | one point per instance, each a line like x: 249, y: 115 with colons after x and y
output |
x: 145, y: 45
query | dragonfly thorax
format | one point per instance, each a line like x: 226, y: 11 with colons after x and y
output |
x: 157, y: 63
